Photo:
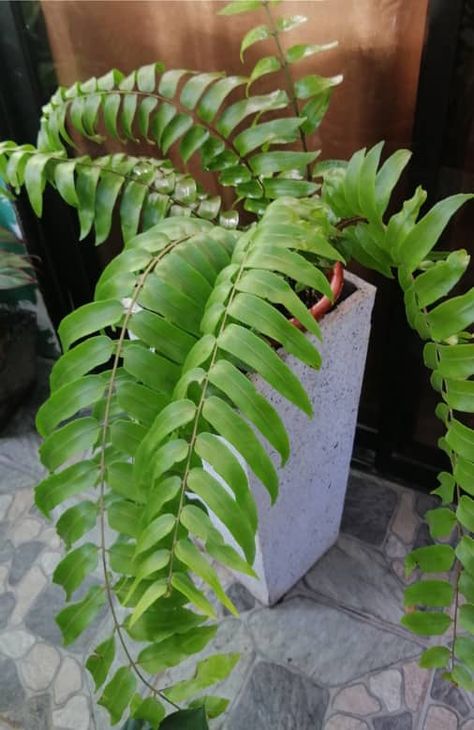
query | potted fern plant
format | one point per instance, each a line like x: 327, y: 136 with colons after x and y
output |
x: 169, y: 376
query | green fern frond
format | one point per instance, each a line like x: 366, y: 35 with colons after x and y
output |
x: 165, y: 108
x: 191, y: 110
x: 447, y: 326
x: 361, y: 191
x: 145, y: 190
x: 309, y: 96
x: 200, y: 302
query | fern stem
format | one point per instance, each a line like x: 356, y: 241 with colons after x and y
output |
x: 94, y: 164
x: 117, y: 626
x: 181, y: 109
x: 139, y: 182
x: 456, y: 601
x: 458, y: 565
x: 347, y: 222
x: 194, y: 434
x: 288, y: 76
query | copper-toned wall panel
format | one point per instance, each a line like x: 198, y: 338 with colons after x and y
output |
x: 380, y: 44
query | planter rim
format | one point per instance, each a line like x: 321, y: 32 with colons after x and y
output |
x: 361, y: 287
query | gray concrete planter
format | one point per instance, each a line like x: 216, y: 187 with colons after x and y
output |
x: 304, y: 523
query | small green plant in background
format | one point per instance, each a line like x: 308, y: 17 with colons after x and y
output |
x: 15, y: 266
x: 203, y: 296
x: 20, y: 299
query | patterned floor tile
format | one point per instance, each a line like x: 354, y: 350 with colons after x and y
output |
x: 332, y: 658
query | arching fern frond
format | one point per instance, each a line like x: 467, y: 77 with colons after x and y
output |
x: 165, y: 419
x: 143, y: 189
x: 360, y: 191
x: 309, y: 96
x: 446, y: 325
x: 192, y: 111
x: 406, y: 244
x: 165, y: 108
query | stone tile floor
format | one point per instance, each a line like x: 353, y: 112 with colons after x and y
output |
x: 331, y: 655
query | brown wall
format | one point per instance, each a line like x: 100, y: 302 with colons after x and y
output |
x: 380, y: 43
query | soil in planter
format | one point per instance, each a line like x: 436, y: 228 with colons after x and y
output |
x: 310, y: 297
x: 17, y: 359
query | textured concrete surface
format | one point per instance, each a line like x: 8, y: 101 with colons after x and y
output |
x: 305, y: 520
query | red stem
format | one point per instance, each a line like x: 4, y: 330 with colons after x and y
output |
x: 322, y: 306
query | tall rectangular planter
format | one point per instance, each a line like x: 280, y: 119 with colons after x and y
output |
x: 303, y: 524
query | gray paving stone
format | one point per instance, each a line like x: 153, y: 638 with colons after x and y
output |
x: 404, y: 721
x: 68, y: 680
x: 19, y: 462
x: 27, y: 591
x: 423, y: 536
x: 21, y: 504
x: 359, y: 577
x: 39, y: 667
x: 40, y: 617
x: 25, y: 530
x: 345, y: 722
x: 357, y: 700
x: 445, y: 692
x: 37, y: 713
x: 15, y: 643
x: 424, y: 502
x: 74, y: 715
x: 394, y: 547
x: 242, y: 599
x: 23, y: 558
x: 12, y: 694
x: 324, y: 643
x: 387, y: 686
x: 406, y: 520
x: 277, y: 699
x: 7, y: 604
x: 440, y: 718
x: 368, y: 509
x: 5, y: 502
x: 416, y: 682
x: 6, y: 548
x: 4, y: 526
x: 3, y: 577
